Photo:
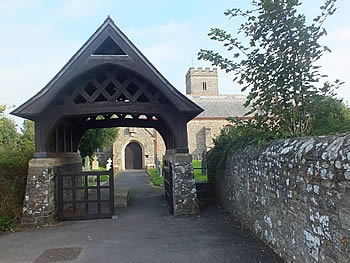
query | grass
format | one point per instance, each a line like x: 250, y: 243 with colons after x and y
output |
x: 197, y: 169
x: 155, y: 178
x: 103, y: 178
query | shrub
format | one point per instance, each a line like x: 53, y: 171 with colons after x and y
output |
x: 13, y: 175
x: 14, y: 159
x: 7, y: 223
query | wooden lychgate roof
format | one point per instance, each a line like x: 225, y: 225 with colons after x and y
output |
x: 107, y: 83
x: 108, y: 45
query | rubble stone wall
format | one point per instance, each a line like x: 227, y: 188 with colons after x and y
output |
x: 185, y: 201
x: 294, y: 195
x: 40, y: 200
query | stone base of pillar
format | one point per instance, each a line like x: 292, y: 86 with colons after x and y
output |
x: 184, y: 190
x: 39, y: 206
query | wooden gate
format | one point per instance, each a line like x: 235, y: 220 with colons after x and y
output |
x: 85, y: 195
x: 168, y: 186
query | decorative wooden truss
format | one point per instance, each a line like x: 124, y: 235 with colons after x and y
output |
x: 107, y: 83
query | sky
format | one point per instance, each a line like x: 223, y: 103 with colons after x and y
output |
x: 38, y: 37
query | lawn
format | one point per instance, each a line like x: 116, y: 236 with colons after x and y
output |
x: 197, y: 169
x: 155, y: 178
x: 103, y: 178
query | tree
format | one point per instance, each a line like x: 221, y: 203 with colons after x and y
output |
x: 15, y: 152
x: 97, y: 138
x: 8, y: 131
x: 330, y: 115
x: 279, y: 64
x: 26, y: 145
x: 28, y: 130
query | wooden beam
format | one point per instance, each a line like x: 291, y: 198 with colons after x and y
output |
x: 86, y: 109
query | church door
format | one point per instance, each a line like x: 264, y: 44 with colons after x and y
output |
x: 133, y: 156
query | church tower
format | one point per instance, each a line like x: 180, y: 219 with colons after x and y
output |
x: 202, y: 82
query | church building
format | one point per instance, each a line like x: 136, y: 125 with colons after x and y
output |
x: 140, y: 148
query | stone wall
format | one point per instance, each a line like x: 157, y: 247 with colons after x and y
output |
x: 40, y: 200
x: 294, y: 195
x: 184, y: 190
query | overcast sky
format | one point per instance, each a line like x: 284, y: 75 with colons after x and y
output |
x: 40, y: 36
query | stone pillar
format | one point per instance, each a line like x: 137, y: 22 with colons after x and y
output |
x: 184, y: 190
x: 39, y: 206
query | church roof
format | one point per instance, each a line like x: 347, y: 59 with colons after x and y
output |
x: 222, y: 106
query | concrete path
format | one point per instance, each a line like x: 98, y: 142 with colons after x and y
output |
x: 143, y: 232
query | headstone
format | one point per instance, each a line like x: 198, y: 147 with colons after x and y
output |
x: 204, y: 163
x: 87, y: 165
x: 159, y: 168
x: 108, y: 164
x: 95, y: 163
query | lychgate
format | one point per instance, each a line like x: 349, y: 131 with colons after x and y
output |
x: 107, y: 83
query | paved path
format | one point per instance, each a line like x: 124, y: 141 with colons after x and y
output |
x: 143, y: 232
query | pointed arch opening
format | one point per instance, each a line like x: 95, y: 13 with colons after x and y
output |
x: 133, y: 156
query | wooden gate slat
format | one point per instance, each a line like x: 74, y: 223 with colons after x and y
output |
x: 168, y: 186
x: 81, y: 209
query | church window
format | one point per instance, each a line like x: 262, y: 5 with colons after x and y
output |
x: 204, y: 85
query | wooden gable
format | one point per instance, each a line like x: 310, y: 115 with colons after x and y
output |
x: 109, y: 48
x: 107, y: 83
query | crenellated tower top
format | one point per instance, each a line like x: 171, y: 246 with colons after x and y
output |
x: 203, y: 82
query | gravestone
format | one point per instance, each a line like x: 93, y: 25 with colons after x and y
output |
x: 159, y: 168
x: 95, y: 163
x: 108, y: 164
x: 204, y: 163
x: 87, y: 165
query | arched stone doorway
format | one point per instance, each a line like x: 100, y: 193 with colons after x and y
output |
x: 133, y: 156
x: 107, y: 83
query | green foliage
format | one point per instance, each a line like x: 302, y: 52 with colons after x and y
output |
x: 330, y: 115
x: 154, y: 177
x: 26, y: 144
x: 238, y: 137
x: 15, y: 152
x: 97, y: 138
x: 6, y: 223
x: 275, y: 61
x: 278, y: 66
x: 198, y: 176
x: 8, y: 134
x: 197, y: 170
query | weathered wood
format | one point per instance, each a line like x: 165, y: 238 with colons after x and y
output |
x: 121, y: 85
x: 83, y: 63
x: 115, y: 84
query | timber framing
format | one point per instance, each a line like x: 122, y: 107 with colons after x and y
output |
x: 107, y: 83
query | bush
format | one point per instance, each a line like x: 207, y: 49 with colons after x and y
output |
x: 13, y: 176
x: 7, y: 223
x: 15, y: 152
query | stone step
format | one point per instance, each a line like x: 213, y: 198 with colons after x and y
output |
x: 121, y: 197
x: 205, y: 193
